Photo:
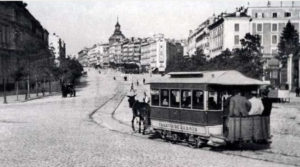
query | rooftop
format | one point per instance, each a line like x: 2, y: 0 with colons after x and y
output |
x: 229, y: 77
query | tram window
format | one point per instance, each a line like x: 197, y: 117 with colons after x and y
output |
x: 155, y: 97
x: 164, y: 97
x: 175, y: 98
x: 214, y: 101
x: 198, y: 98
x: 186, y: 98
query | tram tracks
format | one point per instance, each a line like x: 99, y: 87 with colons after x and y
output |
x: 262, y: 155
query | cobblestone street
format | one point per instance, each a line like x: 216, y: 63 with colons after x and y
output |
x: 56, y: 131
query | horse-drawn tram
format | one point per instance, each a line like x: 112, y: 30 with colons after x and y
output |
x: 193, y: 107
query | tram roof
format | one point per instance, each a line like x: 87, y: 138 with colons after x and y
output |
x: 230, y: 77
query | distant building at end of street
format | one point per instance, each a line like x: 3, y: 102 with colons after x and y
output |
x: 58, y: 47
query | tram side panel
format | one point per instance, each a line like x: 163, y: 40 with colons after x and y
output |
x: 203, y: 123
x: 251, y: 128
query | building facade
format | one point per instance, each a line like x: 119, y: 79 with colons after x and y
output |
x: 83, y: 57
x: 158, y: 52
x: 58, y: 47
x: 225, y: 31
x: 20, y: 35
x: 115, y: 53
x: 117, y: 36
x: 268, y: 22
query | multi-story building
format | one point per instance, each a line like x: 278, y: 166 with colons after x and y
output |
x: 117, y: 36
x: 157, y: 53
x: 20, y: 35
x: 225, y: 31
x: 131, y: 51
x: 82, y: 57
x: 58, y: 47
x: 268, y: 22
x: 115, y: 47
x: 146, y: 50
x: 199, y: 39
x: 92, y: 56
x: 115, y: 53
x: 103, y: 60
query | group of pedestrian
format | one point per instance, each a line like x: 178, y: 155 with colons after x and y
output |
x: 249, y: 105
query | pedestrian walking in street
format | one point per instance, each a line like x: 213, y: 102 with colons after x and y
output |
x: 144, y: 81
x: 137, y: 82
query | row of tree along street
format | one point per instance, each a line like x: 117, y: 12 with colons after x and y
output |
x: 248, y: 59
x: 33, y: 67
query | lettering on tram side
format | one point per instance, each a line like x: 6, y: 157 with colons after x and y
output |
x: 177, y: 127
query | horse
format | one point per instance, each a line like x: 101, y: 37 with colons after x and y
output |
x: 140, y: 110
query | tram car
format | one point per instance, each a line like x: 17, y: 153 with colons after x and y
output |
x: 191, y: 107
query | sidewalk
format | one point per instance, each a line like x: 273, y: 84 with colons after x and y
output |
x: 12, y: 99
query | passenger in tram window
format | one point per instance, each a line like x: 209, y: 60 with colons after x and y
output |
x: 212, y: 103
x: 165, y: 97
x: 186, y: 99
x: 175, y: 95
x: 239, y: 105
x: 198, y: 99
x: 257, y: 106
x: 154, y: 97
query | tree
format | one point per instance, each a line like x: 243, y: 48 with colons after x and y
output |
x: 222, y: 61
x: 248, y: 58
x: 288, y: 44
x: 70, y: 70
x: 198, y: 61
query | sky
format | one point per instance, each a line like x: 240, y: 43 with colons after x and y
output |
x: 82, y: 23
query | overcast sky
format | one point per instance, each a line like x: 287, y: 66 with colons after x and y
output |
x: 82, y: 23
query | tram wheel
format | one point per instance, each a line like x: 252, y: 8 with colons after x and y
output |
x: 174, y: 138
x: 198, y: 142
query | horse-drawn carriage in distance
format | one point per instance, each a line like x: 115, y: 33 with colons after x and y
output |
x: 68, y: 88
x: 191, y: 107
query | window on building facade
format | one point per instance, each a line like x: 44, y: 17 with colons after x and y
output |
x: 236, y: 27
x: 236, y: 39
x: 274, y: 39
x: 259, y: 27
x: 287, y: 14
x: 274, y: 27
x: 274, y: 15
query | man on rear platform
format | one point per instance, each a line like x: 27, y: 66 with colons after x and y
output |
x: 257, y: 106
x: 239, y: 105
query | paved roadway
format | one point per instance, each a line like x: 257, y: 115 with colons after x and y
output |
x: 55, y: 131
